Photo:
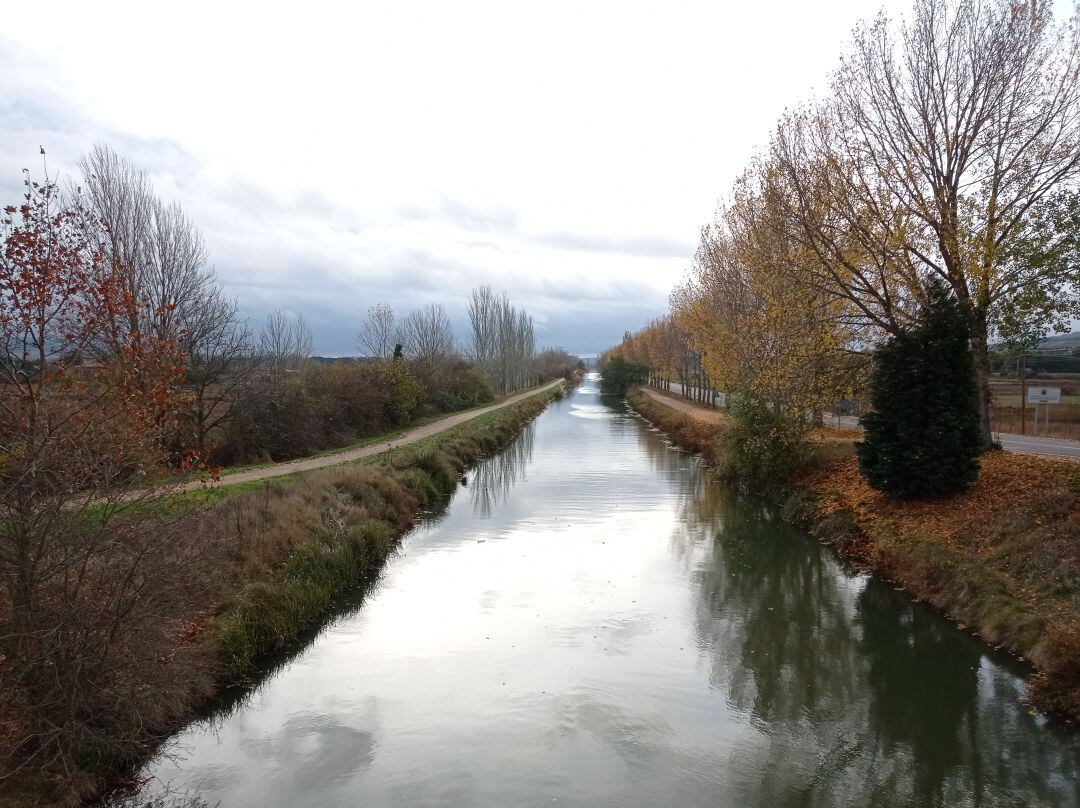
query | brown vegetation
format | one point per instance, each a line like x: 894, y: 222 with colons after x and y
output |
x: 244, y: 576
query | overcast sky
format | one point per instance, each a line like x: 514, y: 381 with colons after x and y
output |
x: 336, y: 155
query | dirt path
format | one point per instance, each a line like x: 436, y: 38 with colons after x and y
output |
x: 696, y: 411
x: 406, y: 438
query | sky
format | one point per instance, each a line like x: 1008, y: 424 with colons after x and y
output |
x: 337, y: 155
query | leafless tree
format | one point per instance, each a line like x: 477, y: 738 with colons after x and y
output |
x: 155, y: 243
x: 426, y: 333
x: 378, y: 333
x: 503, y: 339
x: 940, y: 140
x: 482, y: 307
x: 221, y: 361
x: 285, y: 342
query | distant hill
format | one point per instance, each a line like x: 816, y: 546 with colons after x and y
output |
x: 352, y: 360
x: 1070, y: 340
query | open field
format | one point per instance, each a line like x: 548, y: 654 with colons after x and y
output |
x: 1064, y: 420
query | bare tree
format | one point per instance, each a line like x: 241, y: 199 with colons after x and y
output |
x: 221, y: 361
x: 947, y: 133
x: 481, y: 307
x: 427, y: 334
x: 378, y: 333
x: 159, y: 249
x: 285, y: 342
x: 503, y: 339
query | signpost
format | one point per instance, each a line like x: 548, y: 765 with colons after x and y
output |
x: 1045, y: 396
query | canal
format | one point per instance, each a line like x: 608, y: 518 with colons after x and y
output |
x: 592, y: 622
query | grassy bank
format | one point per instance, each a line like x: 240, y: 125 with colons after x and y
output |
x: 1002, y: 559
x: 262, y: 563
x: 336, y: 526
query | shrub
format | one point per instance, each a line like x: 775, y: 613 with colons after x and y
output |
x: 402, y: 391
x: 764, y: 445
x: 618, y: 375
x: 455, y: 386
x: 923, y: 436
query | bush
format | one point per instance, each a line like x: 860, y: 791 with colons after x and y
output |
x: 556, y: 363
x: 322, y: 406
x: 401, y: 390
x: 764, y: 445
x: 618, y: 375
x: 453, y: 386
x: 923, y: 436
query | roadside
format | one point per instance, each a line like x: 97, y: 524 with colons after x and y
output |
x: 1002, y: 559
x: 1020, y: 444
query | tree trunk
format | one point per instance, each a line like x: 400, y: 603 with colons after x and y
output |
x: 981, y: 355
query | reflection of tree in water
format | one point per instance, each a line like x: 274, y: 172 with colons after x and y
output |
x: 923, y: 690
x: 935, y: 697
x: 492, y: 480
x: 863, y: 697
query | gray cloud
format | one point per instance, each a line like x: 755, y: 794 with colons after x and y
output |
x: 632, y: 245
x: 301, y: 248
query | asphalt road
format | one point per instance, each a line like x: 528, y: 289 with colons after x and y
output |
x: 1052, y: 447
x: 1027, y: 444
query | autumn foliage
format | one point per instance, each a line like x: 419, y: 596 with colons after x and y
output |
x: 86, y: 402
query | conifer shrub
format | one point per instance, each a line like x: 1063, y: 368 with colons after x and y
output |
x: 618, y: 375
x: 922, y: 438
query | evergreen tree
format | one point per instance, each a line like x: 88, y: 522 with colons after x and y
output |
x: 618, y: 375
x: 923, y: 437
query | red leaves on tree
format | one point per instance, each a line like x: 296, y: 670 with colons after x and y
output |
x: 75, y: 364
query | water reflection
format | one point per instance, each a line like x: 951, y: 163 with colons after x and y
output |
x: 613, y: 629
x: 866, y: 697
x: 492, y: 480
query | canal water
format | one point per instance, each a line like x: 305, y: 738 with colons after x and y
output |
x: 592, y: 622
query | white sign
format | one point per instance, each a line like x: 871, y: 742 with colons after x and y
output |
x: 1044, y: 395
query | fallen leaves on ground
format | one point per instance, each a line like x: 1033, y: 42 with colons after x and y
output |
x: 1007, y: 482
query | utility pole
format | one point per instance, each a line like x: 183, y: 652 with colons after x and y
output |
x: 1023, y: 395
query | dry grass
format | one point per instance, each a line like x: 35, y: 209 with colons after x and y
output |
x: 1064, y: 420
x: 272, y: 561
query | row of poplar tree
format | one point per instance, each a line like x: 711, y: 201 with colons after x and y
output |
x: 936, y: 176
